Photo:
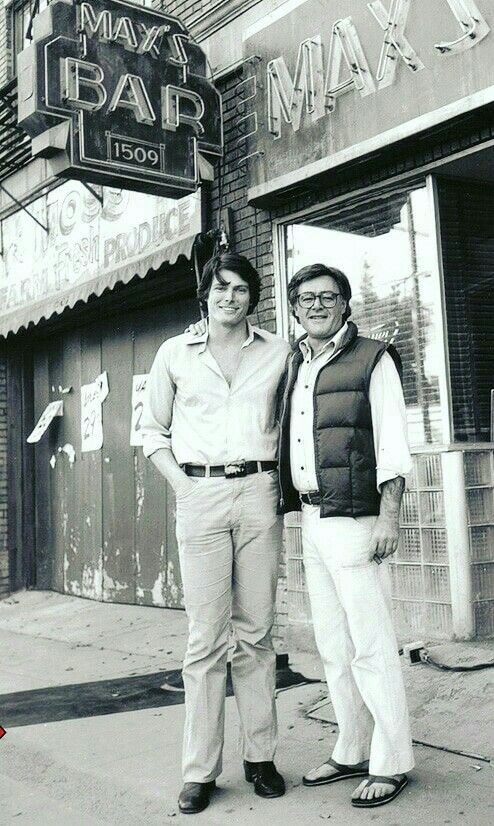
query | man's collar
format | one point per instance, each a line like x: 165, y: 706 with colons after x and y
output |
x: 202, y: 339
x: 334, y: 342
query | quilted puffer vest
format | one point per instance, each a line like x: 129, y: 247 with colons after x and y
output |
x: 343, y: 437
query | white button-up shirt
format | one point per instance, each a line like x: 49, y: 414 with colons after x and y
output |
x: 388, y: 411
x: 191, y: 409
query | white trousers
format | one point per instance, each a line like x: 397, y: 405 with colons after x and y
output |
x: 351, y: 610
x: 229, y: 539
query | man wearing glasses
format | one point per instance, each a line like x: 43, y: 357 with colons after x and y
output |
x: 343, y: 455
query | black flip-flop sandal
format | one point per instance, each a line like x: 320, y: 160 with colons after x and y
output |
x: 399, y: 785
x: 342, y: 773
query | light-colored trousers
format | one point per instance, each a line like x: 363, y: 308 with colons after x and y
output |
x: 351, y: 611
x: 229, y: 539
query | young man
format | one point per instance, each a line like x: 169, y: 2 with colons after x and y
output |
x: 343, y: 455
x: 210, y: 429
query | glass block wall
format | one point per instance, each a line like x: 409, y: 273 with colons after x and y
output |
x: 479, y: 483
x: 420, y: 568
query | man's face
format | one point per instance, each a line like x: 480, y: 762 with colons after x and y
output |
x: 228, y: 303
x: 318, y: 321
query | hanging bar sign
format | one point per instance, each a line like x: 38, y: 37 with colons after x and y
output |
x: 118, y: 94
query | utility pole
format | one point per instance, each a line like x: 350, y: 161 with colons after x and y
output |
x: 418, y: 326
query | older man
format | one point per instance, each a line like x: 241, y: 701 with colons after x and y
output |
x: 342, y: 460
x: 209, y: 427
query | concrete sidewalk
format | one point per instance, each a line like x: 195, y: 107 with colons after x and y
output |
x: 124, y: 768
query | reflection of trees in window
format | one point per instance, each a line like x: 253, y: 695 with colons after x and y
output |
x: 384, y: 249
x: 400, y: 318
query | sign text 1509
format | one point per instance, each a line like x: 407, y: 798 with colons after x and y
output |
x: 134, y: 153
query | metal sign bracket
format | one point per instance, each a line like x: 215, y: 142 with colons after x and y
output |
x: 94, y: 192
x: 19, y: 204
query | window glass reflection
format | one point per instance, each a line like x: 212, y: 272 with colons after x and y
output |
x: 387, y: 249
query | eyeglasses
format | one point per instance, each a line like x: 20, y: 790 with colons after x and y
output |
x: 327, y: 299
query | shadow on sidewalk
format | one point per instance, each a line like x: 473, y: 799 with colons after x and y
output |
x: 69, y: 702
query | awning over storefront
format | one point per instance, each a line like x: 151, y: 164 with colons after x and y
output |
x: 88, y: 247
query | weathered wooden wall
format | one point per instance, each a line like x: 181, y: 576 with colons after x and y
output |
x: 104, y: 523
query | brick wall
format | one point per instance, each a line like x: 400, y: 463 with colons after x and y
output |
x: 4, y: 561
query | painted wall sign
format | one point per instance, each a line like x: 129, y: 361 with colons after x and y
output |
x: 119, y: 94
x: 335, y: 81
x: 92, y: 398
x: 138, y: 392
x: 53, y: 409
x: 88, y: 242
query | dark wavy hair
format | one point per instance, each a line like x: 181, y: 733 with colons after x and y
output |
x: 237, y: 264
x: 314, y: 271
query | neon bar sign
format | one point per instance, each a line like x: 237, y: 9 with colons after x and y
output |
x: 120, y: 96
x: 316, y: 92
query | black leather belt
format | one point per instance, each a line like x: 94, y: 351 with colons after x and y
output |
x: 231, y: 471
x: 311, y: 498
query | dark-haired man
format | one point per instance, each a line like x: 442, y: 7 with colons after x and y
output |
x: 343, y: 456
x: 209, y: 427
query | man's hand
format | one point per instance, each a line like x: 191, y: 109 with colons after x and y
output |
x: 198, y: 328
x: 183, y: 488
x: 384, y: 538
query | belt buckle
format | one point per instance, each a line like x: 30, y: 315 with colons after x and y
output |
x: 235, y: 469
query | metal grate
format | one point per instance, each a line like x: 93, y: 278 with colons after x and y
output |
x: 15, y: 144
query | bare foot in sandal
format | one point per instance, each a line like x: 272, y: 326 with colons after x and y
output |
x: 378, y: 790
x: 330, y: 771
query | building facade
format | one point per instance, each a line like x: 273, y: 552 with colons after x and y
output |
x: 355, y: 135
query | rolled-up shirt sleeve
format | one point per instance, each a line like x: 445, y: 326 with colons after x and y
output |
x: 158, y: 405
x: 389, y: 421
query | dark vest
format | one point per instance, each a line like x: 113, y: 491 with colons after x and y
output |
x: 343, y: 438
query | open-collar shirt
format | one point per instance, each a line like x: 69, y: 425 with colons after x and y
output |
x: 389, y: 424
x: 191, y: 409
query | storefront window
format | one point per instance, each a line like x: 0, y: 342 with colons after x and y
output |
x: 387, y: 248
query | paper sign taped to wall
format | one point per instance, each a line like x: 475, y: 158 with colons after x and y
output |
x: 91, y: 417
x: 138, y: 392
x: 47, y: 416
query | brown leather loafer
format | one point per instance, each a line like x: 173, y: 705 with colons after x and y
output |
x: 195, y: 797
x: 267, y: 780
